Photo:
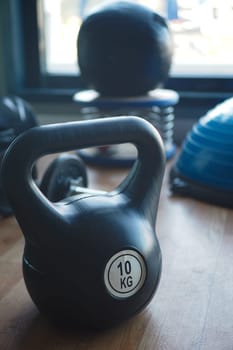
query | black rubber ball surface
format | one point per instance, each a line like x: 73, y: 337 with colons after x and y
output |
x: 124, y: 49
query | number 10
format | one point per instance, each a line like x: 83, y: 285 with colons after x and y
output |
x: 124, y: 268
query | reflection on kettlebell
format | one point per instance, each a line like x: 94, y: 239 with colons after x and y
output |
x: 92, y: 260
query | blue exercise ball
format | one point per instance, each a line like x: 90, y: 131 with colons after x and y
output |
x: 204, y: 168
x: 124, y: 49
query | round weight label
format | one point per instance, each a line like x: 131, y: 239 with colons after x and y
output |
x: 125, y: 273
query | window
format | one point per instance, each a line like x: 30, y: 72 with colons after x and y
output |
x: 202, y: 32
x: 203, y: 35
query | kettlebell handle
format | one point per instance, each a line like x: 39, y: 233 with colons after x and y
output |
x: 142, y: 185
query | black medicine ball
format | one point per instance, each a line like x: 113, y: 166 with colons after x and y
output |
x: 124, y: 49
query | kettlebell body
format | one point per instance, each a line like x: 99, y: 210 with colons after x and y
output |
x: 90, y: 260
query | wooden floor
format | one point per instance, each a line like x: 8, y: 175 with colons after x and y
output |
x: 192, y: 309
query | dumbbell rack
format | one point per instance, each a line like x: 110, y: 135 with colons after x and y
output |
x: 157, y: 107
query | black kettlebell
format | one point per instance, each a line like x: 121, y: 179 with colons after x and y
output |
x: 91, y: 260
